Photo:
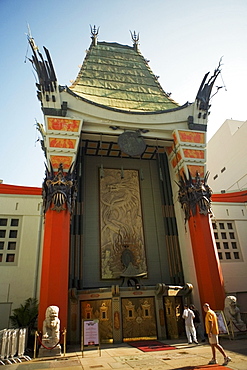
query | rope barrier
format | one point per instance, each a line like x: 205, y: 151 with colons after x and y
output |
x: 241, y: 331
x: 42, y: 344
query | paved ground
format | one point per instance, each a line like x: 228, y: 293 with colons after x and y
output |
x: 125, y: 357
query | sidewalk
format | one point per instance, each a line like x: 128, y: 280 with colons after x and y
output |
x: 126, y: 357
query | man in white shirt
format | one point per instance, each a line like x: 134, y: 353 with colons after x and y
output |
x: 188, y: 316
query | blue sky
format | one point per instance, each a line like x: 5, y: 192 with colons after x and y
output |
x: 182, y: 39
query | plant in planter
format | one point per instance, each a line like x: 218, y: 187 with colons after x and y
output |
x: 25, y: 316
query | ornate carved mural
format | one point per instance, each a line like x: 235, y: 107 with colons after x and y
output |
x: 122, y: 237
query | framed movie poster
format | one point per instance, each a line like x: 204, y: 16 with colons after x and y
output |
x: 90, y: 334
x: 223, y: 328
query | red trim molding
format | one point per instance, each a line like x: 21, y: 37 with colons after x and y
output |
x: 234, y: 197
x: 19, y: 190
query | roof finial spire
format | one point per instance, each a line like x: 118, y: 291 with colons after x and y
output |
x: 135, y: 39
x: 31, y: 39
x: 94, y: 34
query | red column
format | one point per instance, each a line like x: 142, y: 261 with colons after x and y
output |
x: 55, y: 266
x: 207, y: 265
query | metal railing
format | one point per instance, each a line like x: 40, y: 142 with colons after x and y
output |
x: 12, y: 346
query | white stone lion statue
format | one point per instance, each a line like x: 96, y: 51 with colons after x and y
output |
x: 51, y: 333
x: 232, y: 313
x: 51, y: 325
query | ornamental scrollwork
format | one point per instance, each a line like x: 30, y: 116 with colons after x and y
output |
x: 59, y: 190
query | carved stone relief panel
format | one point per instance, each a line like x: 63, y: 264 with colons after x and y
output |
x: 121, y: 223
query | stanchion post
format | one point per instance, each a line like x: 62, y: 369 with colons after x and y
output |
x: 35, y: 344
x: 64, y: 342
x: 232, y: 330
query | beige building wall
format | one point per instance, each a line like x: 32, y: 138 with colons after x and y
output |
x: 20, y: 267
x: 226, y: 157
x: 226, y: 162
x: 234, y: 271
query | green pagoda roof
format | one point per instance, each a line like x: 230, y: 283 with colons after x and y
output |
x: 117, y: 76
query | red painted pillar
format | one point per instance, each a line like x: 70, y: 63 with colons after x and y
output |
x: 55, y: 266
x: 208, y: 269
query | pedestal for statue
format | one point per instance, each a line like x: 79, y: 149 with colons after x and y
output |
x: 44, y: 352
x: 51, y: 334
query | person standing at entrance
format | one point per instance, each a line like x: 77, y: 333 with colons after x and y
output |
x: 190, y: 330
x: 198, y: 324
x: 212, y: 330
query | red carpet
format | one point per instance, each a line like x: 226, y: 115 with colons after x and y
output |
x: 204, y: 367
x: 150, y: 345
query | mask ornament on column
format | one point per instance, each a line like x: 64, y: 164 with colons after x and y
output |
x: 59, y: 190
x: 194, y: 193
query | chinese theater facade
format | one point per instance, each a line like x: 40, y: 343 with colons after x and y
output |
x: 127, y: 235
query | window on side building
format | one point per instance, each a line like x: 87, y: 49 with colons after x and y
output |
x: 9, y: 240
x: 227, y: 242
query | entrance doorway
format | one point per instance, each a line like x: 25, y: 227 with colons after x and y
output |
x: 139, y: 320
x: 101, y: 310
x: 173, y: 313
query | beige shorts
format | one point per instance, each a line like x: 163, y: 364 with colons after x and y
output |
x: 213, y: 339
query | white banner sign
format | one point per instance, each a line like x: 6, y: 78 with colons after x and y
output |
x: 90, y: 332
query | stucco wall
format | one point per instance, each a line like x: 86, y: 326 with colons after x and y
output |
x: 20, y: 281
x: 234, y: 272
x: 226, y: 153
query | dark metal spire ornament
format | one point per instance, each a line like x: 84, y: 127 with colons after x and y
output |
x: 94, y: 34
x: 59, y: 190
x: 204, y: 93
x: 44, y: 68
x: 135, y: 38
x: 194, y: 194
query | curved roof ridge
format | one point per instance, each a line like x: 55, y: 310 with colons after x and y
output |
x: 112, y: 43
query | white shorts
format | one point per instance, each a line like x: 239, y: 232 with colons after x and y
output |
x: 213, y: 339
